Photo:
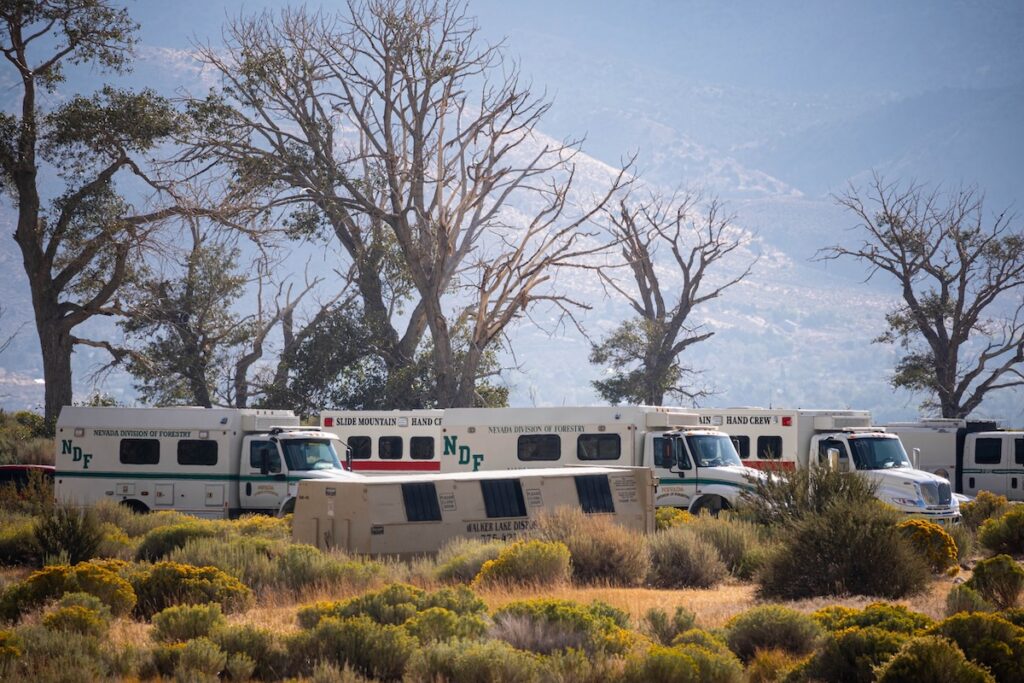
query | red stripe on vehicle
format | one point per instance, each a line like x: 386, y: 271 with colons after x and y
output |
x: 396, y: 465
x: 772, y: 465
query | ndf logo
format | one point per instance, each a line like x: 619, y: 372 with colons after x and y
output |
x: 76, y: 453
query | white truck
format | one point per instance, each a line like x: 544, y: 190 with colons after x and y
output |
x: 973, y: 454
x: 780, y: 438
x: 697, y: 467
x: 217, y: 462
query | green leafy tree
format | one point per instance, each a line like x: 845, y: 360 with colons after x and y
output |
x: 77, y: 246
x: 960, y: 273
x: 188, y: 325
x: 642, y: 354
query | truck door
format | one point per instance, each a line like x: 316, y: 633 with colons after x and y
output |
x: 263, y: 483
x: 1016, y: 469
x: 677, y: 483
x: 824, y: 446
x: 985, y: 465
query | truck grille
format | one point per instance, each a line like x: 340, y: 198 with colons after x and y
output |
x: 936, y: 494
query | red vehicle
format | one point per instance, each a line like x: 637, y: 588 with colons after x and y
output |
x: 19, y: 474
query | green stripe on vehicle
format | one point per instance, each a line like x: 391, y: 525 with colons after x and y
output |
x: 181, y: 475
x: 701, y: 480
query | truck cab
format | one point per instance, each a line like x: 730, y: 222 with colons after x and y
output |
x: 698, y: 469
x: 271, y: 465
x: 879, y: 456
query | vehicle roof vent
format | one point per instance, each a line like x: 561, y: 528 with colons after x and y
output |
x: 827, y: 422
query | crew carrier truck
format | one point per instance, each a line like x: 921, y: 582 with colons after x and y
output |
x: 696, y: 466
x: 216, y: 463
x: 786, y: 439
x: 973, y: 454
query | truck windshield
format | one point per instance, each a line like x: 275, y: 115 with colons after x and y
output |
x: 878, y: 454
x: 713, y: 451
x: 310, y: 454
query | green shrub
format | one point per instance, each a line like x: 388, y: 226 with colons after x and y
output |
x: 547, y: 625
x: 168, y: 583
x: 1004, y: 534
x: 263, y: 526
x: 10, y: 647
x: 372, y: 649
x: 662, y: 628
x: 986, y: 639
x: 999, y: 580
x: 965, y: 540
x: 804, y: 493
x: 67, y: 531
x: 394, y: 604
x: 459, y: 599
x: 184, y: 622
x: 136, y: 524
x: 239, y: 667
x: 714, y: 666
x: 894, y: 618
x: 666, y: 518
x: 18, y: 542
x: 34, y: 497
x: 771, y: 626
x: 159, y: 542
x: 601, y: 550
x: 65, y: 656
x: 534, y: 563
x: 261, y: 646
x: 300, y: 567
x: 200, y: 660
x: 79, y: 612
x: 849, y: 548
x: 701, y: 638
x: 769, y: 666
x: 439, y: 624
x: 1014, y: 616
x: 852, y: 654
x: 473, y: 662
x: 737, y: 542
x: 963, y: 598
x: 52, y: 582
x: 247, y: 559
x: 661, y: 664
x: 680, y: 559
x: 927, y: 658
x: 577, y: 666
x: 461, y: 558
x: 985, y: 506
x: 932, y: 542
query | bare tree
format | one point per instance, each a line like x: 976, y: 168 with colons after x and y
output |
x: 961, y: 279
x: 390, y: 127
x: 78, y: 248
x: 643, y: 352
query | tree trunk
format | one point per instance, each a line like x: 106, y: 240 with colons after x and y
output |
x: 56, y: 346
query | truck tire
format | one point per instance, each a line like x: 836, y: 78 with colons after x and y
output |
x: 136, y: 506
x: 710, y: 504
x: 288, y: 507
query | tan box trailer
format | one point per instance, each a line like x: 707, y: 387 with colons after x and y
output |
x: 415, y: 515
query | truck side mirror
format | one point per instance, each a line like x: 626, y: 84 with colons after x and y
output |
x: 833, y: 459
x: 915, y: 456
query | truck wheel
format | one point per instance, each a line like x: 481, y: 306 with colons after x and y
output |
x: 710, y: 504
x: 288, y: 508
x: 136, y: 506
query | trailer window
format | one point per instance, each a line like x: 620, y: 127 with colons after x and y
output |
x: 360, y: 447
x: 539, y: 447
x: 421, y: 448
x: 769, y: 447
x: 988, y: 451
x: 503, y: 498
x: 598, y: 447
x: 256, y: 451
x: 595, y: 493
x: 1018, y: 451
x: 421, y: 502
x: 192, y: 452
x: 389, y: 447
x: 742, y: 446
x: 140, y: 451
